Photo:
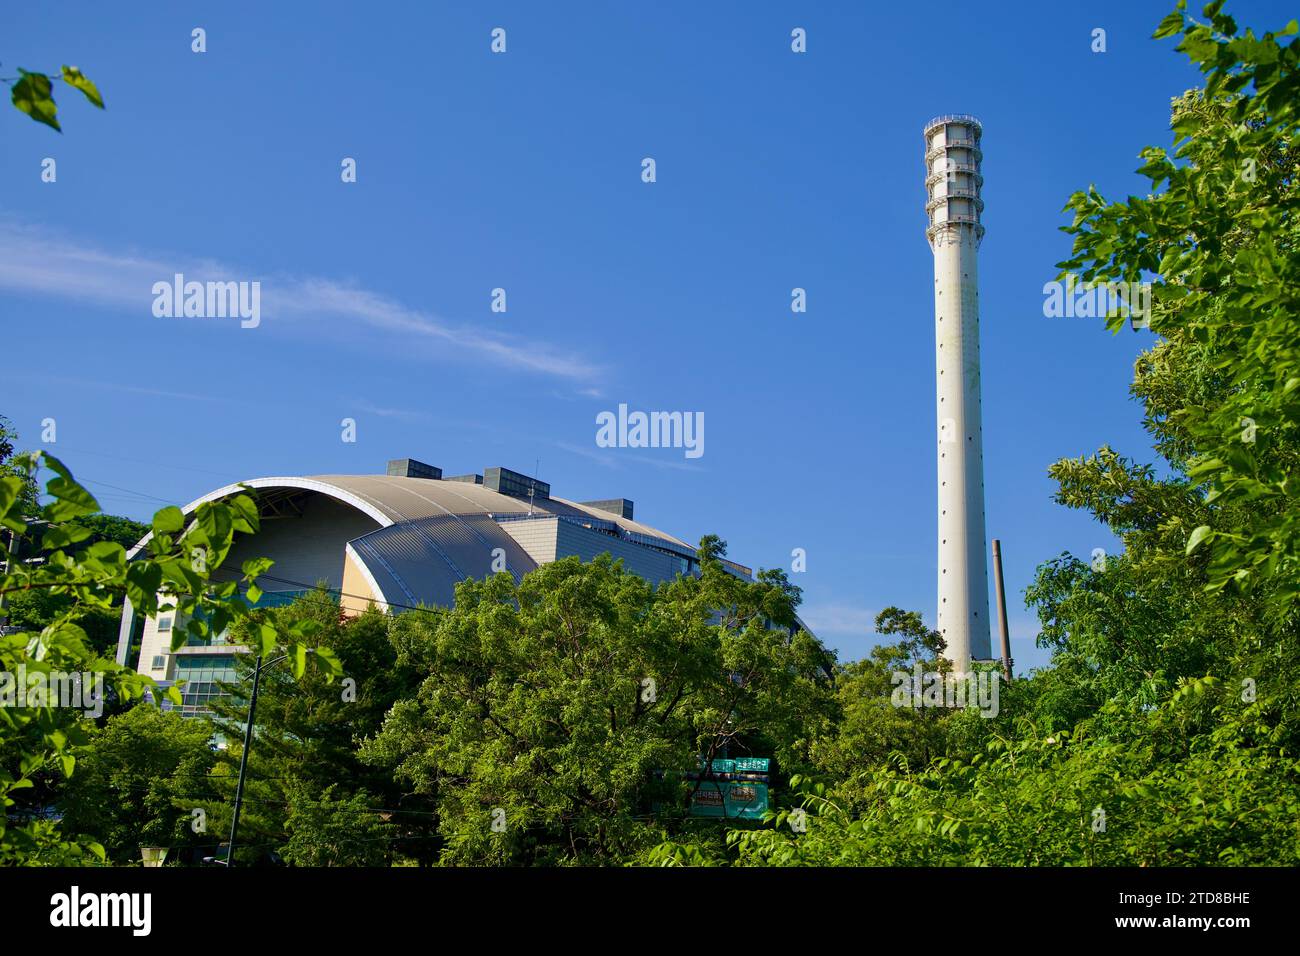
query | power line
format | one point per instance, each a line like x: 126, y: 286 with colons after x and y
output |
x: 312, y: 587
x: 152, y: 464
x: 141, y: 494
x: 336, y: 804
x: 270, y: 803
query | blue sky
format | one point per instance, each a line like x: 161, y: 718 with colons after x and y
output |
x: 523, y: 171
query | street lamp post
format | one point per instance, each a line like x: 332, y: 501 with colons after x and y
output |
x: 152, y: 856
x: 243, y: 758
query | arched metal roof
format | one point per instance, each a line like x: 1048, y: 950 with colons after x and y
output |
x: 432, y: 534
x: 389, y: 500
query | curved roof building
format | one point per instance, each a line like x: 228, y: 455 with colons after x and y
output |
x: 400, y: 540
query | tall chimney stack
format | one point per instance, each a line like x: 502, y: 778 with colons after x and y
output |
x: 953, y: 182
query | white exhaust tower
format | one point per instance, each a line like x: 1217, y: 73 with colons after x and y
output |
x: 953, y: 182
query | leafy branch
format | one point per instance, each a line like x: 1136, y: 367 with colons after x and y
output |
x: 33, y: 92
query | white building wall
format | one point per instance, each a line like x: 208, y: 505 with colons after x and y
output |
x: 535, y: 535
x: 306, y: 549
x: 155, y: 642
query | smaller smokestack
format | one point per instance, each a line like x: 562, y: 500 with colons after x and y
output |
x: 1007, y: 662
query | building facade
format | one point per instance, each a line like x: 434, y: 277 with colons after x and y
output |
x: 397, y: 541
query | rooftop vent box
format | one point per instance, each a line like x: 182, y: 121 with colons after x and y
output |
x: 507, y: 482
x: 471, y: 479
x: 615, y: 506
x: 410, y: 468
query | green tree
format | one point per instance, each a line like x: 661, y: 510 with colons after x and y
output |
x: 26, y: 503
x: 1219, y: 234
x: 305, y: 778
x: 870, y: 729
x: 325, y: 830
x: 553, y: 707
x: 136, y: 783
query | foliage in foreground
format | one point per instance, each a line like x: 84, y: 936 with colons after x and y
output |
x: 41, y: 733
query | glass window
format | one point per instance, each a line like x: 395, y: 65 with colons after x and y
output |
x: 203, y: 675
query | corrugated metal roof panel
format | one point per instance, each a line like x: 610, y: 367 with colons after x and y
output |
x: 426, y: 558
x: 404, y: 499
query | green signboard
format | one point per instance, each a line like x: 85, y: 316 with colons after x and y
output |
x: 744, y: 801
x: 721, y: 765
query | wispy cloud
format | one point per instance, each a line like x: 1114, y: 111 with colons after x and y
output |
x: 617, y: 458
x: 669, y: 464
x: 325, y: 297
x: 578, y: 394
x: 122, y: 387
x: 35, y: 262
x: 604, y: 460
x: 400, y: 414
x: 840, y: 621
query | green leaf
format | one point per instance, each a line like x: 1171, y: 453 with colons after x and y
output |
x: 254, y: 567
x: 330, y: 661
x: 61, y: 536
x: 10, y: 487
x: 143, y: 579
x: 72, y: 500
x: 1197, y: 536
x: 31, y: 94
x: 267, y: 638
x: 1171, y: 24
x: 304, y: 628
x: 75, y: 78
x: 243, y: 512
x: 168, y: 520
x: 106, y: 551
x: 298, y: 660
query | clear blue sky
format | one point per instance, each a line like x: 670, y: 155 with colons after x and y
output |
x: 522, y: 171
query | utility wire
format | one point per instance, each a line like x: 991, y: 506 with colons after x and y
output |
x: 312, y: 587
x: 140, y: 494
